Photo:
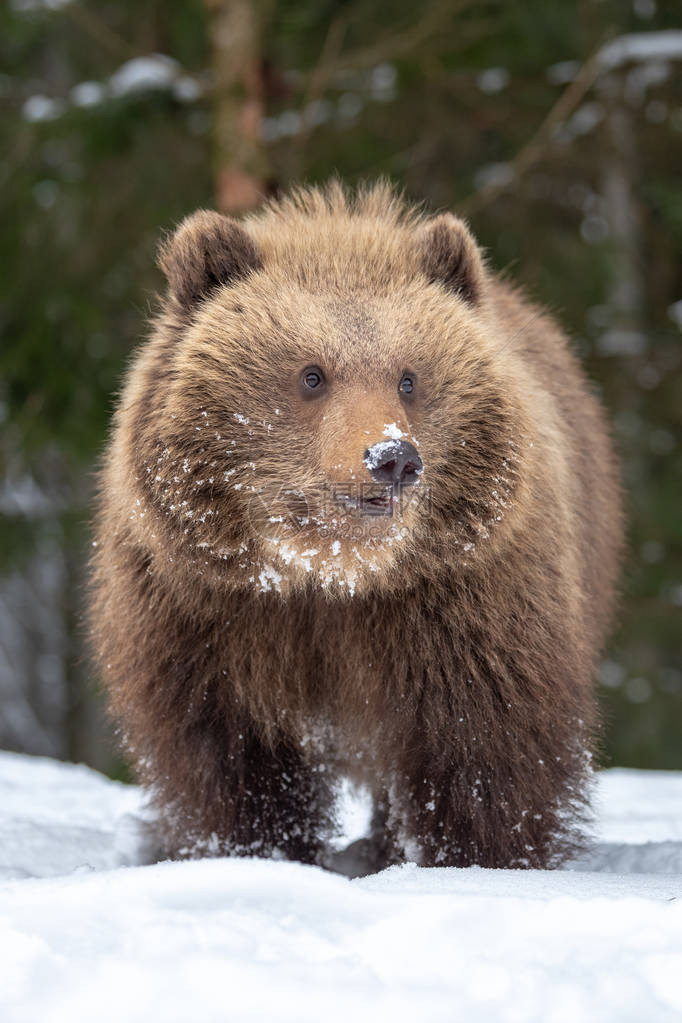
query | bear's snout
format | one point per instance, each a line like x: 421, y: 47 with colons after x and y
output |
x: 394, y: 462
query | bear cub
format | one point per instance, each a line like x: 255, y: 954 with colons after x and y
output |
x: 358, y: 517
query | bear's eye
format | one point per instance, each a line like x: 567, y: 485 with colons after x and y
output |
x: 406, y: 385
x: 312, y: 378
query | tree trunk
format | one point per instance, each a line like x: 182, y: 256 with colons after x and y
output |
x: 625, y: 298
x: 241, y: 165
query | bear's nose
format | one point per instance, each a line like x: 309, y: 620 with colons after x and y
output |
x: 394, y: 461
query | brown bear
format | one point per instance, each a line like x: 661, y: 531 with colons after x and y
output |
x: 359, y: 517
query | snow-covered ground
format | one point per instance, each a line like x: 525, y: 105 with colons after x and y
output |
x: 87, y: 934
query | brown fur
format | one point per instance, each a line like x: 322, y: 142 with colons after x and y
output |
x: 258, y: 640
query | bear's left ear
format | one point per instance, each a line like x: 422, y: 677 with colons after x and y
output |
x: 450, y: 256
x: 206, y: 250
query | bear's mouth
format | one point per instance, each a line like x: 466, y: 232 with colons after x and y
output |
x: 374, y: 504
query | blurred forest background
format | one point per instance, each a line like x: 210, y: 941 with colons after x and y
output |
x: 556, y: 128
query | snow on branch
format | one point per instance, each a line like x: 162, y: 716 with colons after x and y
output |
x: 640, y: 46
x: 155, y: 72
x: 648, y: 49
x: 28, y: 6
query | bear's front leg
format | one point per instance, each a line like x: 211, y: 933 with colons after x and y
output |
x: 471, y: 812
x: 242, y: 796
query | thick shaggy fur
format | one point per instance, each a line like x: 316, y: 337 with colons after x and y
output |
x: 258, y: 640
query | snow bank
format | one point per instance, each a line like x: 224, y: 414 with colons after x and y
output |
x: 56, y: 818
x: 83, y: 937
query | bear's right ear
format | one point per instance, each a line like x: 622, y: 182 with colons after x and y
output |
x: 206, y: 250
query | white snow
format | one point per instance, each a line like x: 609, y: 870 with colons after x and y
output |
x: 636, y: 47
x: 26, y: 6
x: 377, y: 452
x: 641, y: 46
x: 493, y: 174
x: 87, y: 94
x: 56, y: 818
x: 85, y: 934
x: 155, y: 71
x: 675, y: 313
x: 493, y: 79
x: 151, y: 73
x: 563, y: 72
x: 42, y: 108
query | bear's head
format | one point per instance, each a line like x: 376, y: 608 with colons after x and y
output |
x: 334, y: 402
